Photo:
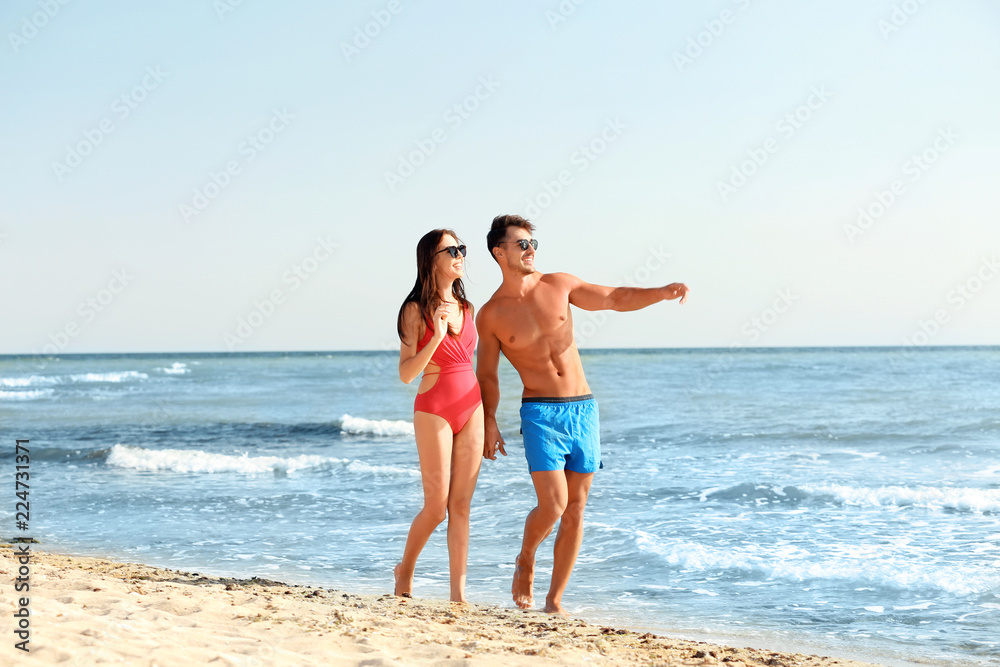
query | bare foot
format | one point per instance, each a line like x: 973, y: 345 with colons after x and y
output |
x: 524, y: 579
x: 404, y: 588
x: 555, y: 608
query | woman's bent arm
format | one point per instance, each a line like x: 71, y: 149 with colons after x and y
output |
x: 411, y: 362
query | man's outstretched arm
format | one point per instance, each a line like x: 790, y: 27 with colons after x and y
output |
x: 598, y: 297
x: 487, y: 372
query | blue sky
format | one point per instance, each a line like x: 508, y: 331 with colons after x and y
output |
x: 255, y: 189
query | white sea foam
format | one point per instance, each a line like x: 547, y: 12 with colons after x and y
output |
x: 120, y: 376
x: 50, y: 380
x: 992, y: 472
x: 29, y: 381
x: 854, y: 452
x: 27, y: 395
x: 361, y: 426
x: 185, y: 460
x: 361, y: 466
x: 960, y: 498
x: 178, y: 368
x: 909, y: 607
x: 794, y: 564
x: 197, y: 461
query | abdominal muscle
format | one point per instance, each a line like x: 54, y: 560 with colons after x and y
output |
x: 561, y: 376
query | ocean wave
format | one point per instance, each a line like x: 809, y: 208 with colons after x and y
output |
x: 361, y: 426
x: 993, y: 472
x: 362, y: 467
x: 758, y: 493
x: 120, y: 376
x: 925, y: 497
x: 25, y: 395
x: 795, y: 564
x: 50, y: 380
x: 68, y: 454
x: 929, y: 497
x: 852, y: 452
x: 197, y: 461
x: 28, y: 381
x: 177, y: 368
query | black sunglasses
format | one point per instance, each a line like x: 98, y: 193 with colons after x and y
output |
x: 453, y: 250
x: 524, y: 243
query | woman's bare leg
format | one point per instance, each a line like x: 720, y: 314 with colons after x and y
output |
x: 434, y: 445
x: 466, y: 458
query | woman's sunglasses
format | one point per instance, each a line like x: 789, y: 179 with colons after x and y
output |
x: 453, y: 250
x: 524, y: 243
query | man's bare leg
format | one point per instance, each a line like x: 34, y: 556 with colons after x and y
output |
x: 551, y: 490
x: 568, y: 539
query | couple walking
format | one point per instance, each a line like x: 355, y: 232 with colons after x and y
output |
x: 454, y: 415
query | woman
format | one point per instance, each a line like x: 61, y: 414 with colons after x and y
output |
x: 437, y: 333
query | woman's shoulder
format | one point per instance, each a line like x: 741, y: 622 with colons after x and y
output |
x: 412, y: 316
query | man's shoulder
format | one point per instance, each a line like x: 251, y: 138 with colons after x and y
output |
x: 494, y: 306
x: 562, y: 281
x: 486, y: 310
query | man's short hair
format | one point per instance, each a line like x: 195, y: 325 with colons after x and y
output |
x: 498, y: 231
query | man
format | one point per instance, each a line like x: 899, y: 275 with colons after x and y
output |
x: 529, y: 320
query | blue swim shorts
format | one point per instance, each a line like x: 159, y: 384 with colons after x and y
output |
x: 561, y: 433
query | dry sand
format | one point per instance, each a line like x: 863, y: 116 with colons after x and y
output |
x: 86, y: 611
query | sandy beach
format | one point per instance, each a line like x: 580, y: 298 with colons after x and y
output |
x: 86, y: 611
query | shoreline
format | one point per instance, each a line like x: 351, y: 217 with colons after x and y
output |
x: 108, y: 610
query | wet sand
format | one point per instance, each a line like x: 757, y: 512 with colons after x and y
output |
x: 89, y: 610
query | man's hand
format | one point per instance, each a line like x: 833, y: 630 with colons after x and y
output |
x: 674, y: 290
x: 493, y: 441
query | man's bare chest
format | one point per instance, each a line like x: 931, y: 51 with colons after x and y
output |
x: 525, y: 325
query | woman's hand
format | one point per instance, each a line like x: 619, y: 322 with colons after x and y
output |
x: 440, y: 321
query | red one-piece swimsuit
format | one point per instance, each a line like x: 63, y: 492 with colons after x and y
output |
x: 455, y: 395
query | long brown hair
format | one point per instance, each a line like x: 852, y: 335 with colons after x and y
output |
x: 425, y: 289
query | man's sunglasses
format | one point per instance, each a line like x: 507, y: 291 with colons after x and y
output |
x: 524, y: 243
x: 453, y: 250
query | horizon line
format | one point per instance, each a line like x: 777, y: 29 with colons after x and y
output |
x: 738, y: 348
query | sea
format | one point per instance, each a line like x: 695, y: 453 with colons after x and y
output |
x: 843, y: 501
